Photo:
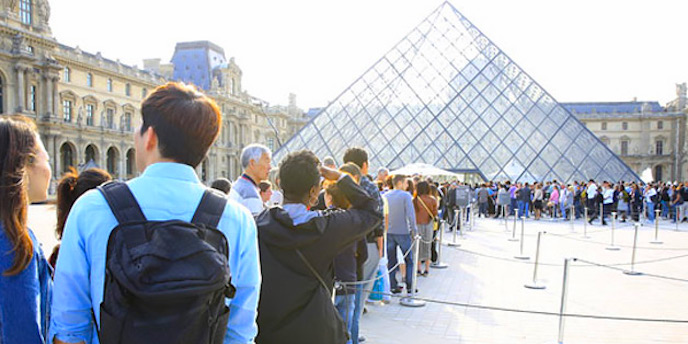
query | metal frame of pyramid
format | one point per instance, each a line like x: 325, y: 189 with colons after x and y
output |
x: 448, y: 96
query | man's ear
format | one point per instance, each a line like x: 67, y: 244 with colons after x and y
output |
x: 150, y: 139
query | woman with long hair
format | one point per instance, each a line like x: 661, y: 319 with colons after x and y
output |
x: 425, y: 207
x: 72, y: 186
x: 25, y: 283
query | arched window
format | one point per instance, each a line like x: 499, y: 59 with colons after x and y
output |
x: 112, y: 159
x: 66, y: 156
x: 2, y: 93
x: 131, y: 163
x: 91, y: 155
x: 658, y: 173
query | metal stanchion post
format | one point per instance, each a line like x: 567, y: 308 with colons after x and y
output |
x: 585, y: 223
x: 612, y: 247
x: 411, y: 301
x: 457, y: 225
x: 632, y: 272
x: 513, y: 232
x: 656, y: 241
x: 523, y: 225
x: 571, y: 217
x: 564, y: 294
x: 438, y: 264
x: 535, y: 284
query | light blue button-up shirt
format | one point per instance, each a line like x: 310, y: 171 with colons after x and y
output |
x: 164, y: 191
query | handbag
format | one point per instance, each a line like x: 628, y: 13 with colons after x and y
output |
x: 436, y: 221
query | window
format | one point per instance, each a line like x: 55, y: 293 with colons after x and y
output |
x: 659, y: 147
x: 67, y: 75
x: 25, y: 11
x: 658, y: 173
x: 127, y: 121
x: 624, y: 125
x: 110, y: 120
x: 29, y: 49
x: 89, y: 80
x: 144, y: 93
x: 32, y: 98
x: 109, y: 85
x: 271, y: 144
x: 624, y: 147
x: 660, y: 125
x: 67, y: 110
x: 604, y: 125
x: 89, y: 114
x: 127, y: 90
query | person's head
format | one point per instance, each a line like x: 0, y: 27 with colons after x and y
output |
x: 329, y: 162
x: 358, y: 156
x: 72, y: 186
x: 410, y: 187
x: 255, y: 160
x: 382, y: 173
x: 422, y: 188
x: 353, y: 170
x: 334, y: 197
x: 222, y: 184
x: 179, y: 125
x: 265, y: 190
x: 24, y: 177
x: 389, y: 182
x: 398, y: 181
x: 300, y: 177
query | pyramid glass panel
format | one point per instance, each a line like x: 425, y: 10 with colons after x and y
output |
x: 447, y: 95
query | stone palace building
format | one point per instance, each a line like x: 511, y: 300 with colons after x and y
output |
x: 86, y: 106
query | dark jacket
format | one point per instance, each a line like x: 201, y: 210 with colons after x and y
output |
x: 294, y: 307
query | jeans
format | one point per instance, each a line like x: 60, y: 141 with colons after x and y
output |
x: 523, y: 209
x: 345, y: 307
x: 404, y: 242
x: 512, y: 208
x: 370, y: 268
x: 483, y: 209
x: 665, y: 209
x: 650, y: 208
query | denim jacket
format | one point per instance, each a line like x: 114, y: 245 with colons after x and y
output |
x: 24, y: 298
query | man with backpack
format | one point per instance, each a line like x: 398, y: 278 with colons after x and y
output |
x: 160, y: 259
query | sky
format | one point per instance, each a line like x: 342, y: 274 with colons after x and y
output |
x: 579, y: 50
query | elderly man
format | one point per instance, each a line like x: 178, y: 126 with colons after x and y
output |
x: 255, y: 160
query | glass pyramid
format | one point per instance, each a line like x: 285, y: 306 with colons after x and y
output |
x: 447, y: 96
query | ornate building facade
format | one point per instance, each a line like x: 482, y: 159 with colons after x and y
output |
x: 87, y: 106
x: 645, y: 135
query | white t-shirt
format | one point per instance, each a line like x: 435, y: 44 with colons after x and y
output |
x: 608, y: 196
x: 592, y: 191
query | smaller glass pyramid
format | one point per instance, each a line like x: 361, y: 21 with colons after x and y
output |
x: 446, y: 95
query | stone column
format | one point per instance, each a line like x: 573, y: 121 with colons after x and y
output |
x: 56, y: 99
x: 21, y: 88
x: 47, y: 101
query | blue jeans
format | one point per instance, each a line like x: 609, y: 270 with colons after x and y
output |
x: 483, y: 209
x: 512, y: 208
x: 650, y: 208
x: 523, y: 209
x: 665, y: 209
x: 345, y: 307
x: 404, y: 242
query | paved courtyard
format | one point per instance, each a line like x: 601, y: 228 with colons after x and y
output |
x: 483, y: 271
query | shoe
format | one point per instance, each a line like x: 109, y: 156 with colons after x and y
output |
x: 425, y: 273
x: 361, y: 339
x: 604, y: 223
x: 419, y: 273
x: 397, y: 290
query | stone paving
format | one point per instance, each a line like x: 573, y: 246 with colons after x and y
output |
x: 483, y: 271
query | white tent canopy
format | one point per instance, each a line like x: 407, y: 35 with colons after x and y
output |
x: 424, y: 170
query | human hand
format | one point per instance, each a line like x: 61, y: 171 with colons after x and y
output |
x: 330, y: 174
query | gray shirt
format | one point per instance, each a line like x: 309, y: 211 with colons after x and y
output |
x: 402, y: 217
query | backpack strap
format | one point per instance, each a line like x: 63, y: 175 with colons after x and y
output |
x: 122, y: 202
x: 210, y: 209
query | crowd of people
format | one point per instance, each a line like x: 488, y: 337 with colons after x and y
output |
x: 281, y: 255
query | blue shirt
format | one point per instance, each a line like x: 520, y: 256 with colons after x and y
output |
x: 24, y: 297
x: 164, y: 191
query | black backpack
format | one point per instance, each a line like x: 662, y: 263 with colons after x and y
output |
x: 165, y: 281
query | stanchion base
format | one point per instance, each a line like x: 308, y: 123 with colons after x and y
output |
x: 454, y: 244
x: 512, y: 239
x: 612, y: 248
x: 656, y: 242
x: 412, y: 302
x: 439, y: 265
x: 632, y: 273
x: 522, y: 257
x: 534, y: 285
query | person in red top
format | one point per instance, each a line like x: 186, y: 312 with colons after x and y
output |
x: 425, y: 207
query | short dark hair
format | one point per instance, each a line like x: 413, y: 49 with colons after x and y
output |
x: 264, y: 186
x: 298, y: 173
x: 357, y: 155
x: 185, y: 120
x: 398, y: 178
x: 222, y: 184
